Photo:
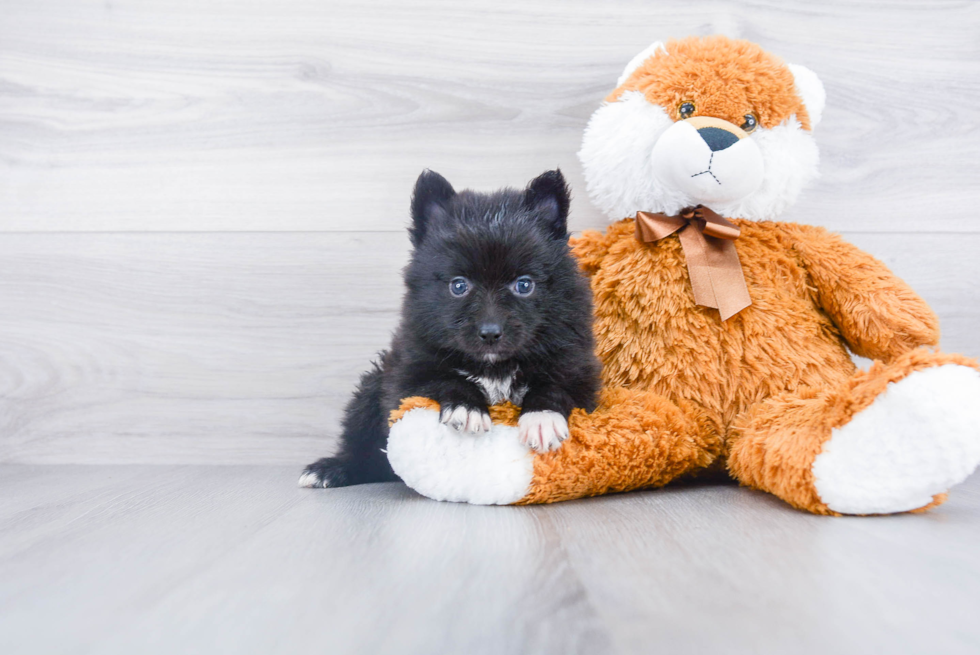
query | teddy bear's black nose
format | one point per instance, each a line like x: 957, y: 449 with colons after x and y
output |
x: 717, y: 138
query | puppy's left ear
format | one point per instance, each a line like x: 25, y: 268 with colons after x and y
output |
x: 547, y: 196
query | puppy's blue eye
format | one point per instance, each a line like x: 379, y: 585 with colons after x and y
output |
x: 523, y: 286
x: 459, y: 286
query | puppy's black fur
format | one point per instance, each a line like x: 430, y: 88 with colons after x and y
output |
x: 539, y: 342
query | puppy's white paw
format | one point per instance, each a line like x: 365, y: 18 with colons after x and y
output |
x: 542, y: 431
x: 462, y: 419
x: 325, y: 473
x: 310, y: 480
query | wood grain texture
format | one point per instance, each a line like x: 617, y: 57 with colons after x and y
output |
x: 203, y: 559
x: 311, y: 115
x: 243, y: 348
x: 197, y: 325
x: 179, y: 348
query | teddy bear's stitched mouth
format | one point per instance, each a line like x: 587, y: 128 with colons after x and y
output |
x: 708, y: 170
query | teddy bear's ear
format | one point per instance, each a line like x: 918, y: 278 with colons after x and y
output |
x: 432, y: 191
x: 638, y: 60
x: 810, y: 88
x: 547, y: 196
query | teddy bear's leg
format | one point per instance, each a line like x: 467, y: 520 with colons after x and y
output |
x: 493, y: 468
x: 633, y: 440
x: 890, y: 439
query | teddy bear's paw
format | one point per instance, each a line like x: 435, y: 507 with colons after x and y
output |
x: 542, y: 431
x: 490, y: 468
x: 466, y: 419
x: 917, y: 439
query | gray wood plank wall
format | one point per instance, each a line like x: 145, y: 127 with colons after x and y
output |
x: 202, y: 204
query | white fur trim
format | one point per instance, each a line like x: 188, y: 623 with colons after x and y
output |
x: 617, y: 158
x: 810, y: 88
x: 489, y: 469
x: 543, y: 431
x: 790, y: 158
x: 917, y: 439
x: 638, y: 60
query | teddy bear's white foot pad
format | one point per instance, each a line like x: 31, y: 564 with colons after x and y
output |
x: 492, y: 468
x: 917, y: 439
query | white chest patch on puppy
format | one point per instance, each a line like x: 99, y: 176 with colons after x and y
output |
x: 498, y: 390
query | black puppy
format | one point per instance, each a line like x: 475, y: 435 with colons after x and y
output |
x: 495, y: 309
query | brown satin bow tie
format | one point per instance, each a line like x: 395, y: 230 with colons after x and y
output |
x: 712, y: 262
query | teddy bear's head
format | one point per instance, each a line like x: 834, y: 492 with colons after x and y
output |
x: 711, y: 121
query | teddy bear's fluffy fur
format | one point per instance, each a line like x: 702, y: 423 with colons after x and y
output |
x: 776, y: 379
x: 770, y: 395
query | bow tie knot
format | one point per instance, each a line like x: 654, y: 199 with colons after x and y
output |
x: 707, y: 240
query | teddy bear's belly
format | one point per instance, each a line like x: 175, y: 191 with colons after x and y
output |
x: 653, y: 336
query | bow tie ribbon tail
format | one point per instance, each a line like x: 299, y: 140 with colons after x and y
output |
x: 707, y: 240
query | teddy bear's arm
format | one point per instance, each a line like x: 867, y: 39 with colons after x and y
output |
x: 878, y: 314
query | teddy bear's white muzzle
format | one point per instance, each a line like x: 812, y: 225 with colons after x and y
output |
x: 711, y: 165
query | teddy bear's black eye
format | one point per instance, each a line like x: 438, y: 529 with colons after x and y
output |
x: 750, y: 122
x: 459, y: 286
x: 523, y: 286
x: 686, y: 110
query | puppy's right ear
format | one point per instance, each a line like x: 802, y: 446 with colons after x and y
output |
x: 432, y: 192
x: 548, y: 196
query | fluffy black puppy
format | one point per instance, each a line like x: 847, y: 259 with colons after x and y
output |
x: 495, y: 309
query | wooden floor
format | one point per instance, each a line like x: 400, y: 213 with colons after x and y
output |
x: 236, y: 559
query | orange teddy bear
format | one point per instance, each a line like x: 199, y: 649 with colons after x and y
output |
x: 725, y: 340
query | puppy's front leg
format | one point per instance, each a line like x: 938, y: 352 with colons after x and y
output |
x: 464, y: 407
x: 466, y: 419
x: 543, y: 424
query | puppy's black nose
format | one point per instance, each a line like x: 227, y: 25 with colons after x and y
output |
x: 490, y: 333
x: 717, y: 138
